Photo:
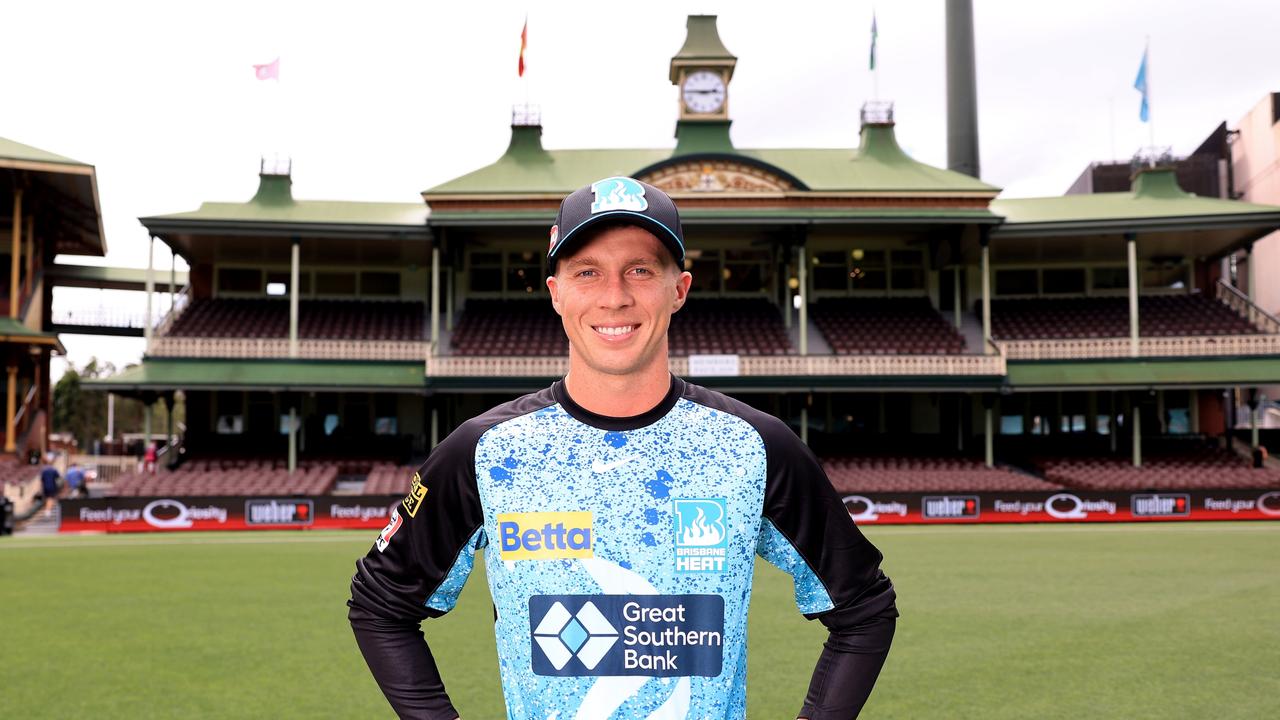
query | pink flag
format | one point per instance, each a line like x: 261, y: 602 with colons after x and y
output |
x: 270, y: 71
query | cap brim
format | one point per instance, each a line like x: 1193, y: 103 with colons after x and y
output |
x: 578, y: 235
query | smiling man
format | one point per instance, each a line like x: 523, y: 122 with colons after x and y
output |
x: 620, y: 510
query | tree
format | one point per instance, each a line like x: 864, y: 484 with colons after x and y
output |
x: 78, y: 411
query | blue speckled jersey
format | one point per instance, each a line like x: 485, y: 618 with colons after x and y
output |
x: 619, y: 551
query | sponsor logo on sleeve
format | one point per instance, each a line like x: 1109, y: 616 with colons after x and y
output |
x: 388, y: 532
x: 702, y: 535
x: 615, y: 635
x: 1161, y: 505
x: 544, y: 535
x: 417, y: 492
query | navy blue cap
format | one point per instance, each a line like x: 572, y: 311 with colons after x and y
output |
x: 615, y: 200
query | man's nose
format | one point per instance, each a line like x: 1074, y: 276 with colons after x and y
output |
x: 616, y: 294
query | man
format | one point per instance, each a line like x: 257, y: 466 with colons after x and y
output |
x: 75, y: 481
x: 620, y: 510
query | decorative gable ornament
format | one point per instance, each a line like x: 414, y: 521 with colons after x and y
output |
x: 716, y: 176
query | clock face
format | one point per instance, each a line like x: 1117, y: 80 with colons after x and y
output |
x: 703, y: 92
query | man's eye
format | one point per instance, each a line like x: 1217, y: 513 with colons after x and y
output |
x: 642, y: 271
x: 586, y: 273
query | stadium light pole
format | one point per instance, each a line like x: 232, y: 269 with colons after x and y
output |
x: 1131, y: 240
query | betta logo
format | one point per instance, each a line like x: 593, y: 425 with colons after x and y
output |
x: 950, y: 506
x: 555, y: 235
x: 1161, y: 505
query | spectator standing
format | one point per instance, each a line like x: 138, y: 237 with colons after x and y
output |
x: 75, y: 481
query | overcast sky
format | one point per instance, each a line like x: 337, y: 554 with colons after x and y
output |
x: 379, y: 101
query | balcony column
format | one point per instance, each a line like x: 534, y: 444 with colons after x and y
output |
x: 293, y: 437
x: 151, y: 288
x: 435, y: 300
x: 168, y: 438
x: 804, y: 420
x: 15, y: 258
x: 984, y: 239
x: 1131, y: 239
x: 295, y: 253
x: 11, y: 409
x: 173, y: 279
x: 956, y: 300
x: 1253, y: 418
x: 1252, y: 275
x: 147, y: 405
x: 1135, y: 415
x: 435, y: 427
x: 804, y: 301
x: 988, y: 430
x: 449, y: 276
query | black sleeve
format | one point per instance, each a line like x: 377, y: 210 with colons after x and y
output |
x: 402, y: 580
x: 805, y: 509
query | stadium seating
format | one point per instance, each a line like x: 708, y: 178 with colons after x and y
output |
x: 926, y: 474
x: 388, y: 479
x: 749, y: 326
x: 1103, y: 317
x: 885, y: 326
x: 1200, y: 470
x: 251, y: 478
x: 16, y: 473
x: 317, y: 319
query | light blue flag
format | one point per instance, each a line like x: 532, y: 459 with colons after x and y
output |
x: 1140, y: 84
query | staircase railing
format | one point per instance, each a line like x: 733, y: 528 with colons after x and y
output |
x: 1245, y: 308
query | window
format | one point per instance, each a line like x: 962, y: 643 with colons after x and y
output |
x: 1110, y: 278
x: 230, y: 409
x: 866, y: 270
x: 334, y: 283
x: 524, y: 272
x: 1164, y: 276
x: 239, y: 280
x: 1010, y: 424
x: 1016, y: 282
x: 282, y: 279
x: 1064, y: 281
x: 705, y: 268
x: 380, y: 283
x: 747, y: 270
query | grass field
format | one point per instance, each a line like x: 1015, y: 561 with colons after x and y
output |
x: 1117, y: 621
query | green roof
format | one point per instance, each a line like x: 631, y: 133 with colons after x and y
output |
x: 703, y: 41
x: 877, y: 165
x: 1200, y: 372
x: 1155, y: 201
x: 122, y: 278
x: 15, y: 332
x: 11, y: 152
x: 158, y: 374
x: 274, y: 204
x: 762, y: 216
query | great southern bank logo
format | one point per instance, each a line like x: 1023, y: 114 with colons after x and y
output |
x: 544, y: 535
x: 616, y: 635
x: 702, y: 535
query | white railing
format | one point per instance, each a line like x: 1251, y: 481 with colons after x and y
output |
x: 1244, y: 307
x: 278, y: 348
x: 180, y: 303
x: 748, y: 365
x: 1182, y: 346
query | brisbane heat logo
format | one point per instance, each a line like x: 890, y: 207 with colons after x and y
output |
x: 702, y: 535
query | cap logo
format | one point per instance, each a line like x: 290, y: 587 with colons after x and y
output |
x: 618, y: 193
x: 555, y: 235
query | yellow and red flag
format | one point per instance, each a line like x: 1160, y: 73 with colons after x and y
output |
x: 524, y: 43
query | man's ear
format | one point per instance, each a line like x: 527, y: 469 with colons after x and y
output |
x: 554, y: 288
x: 683, y: 283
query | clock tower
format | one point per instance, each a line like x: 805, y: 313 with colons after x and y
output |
x: 702, y: 70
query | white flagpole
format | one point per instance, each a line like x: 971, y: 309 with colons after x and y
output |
x: 1151, y: 116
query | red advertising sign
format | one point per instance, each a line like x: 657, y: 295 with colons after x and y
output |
x: 151, y: 514
x: 1062, y: 506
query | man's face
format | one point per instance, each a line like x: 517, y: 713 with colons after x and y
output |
x: 615, y: 296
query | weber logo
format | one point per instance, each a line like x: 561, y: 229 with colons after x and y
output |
x: 941, y: 507
x: 1162, y: 505
x: 278, y: 512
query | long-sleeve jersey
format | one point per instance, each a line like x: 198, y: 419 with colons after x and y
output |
x: 619, y: 554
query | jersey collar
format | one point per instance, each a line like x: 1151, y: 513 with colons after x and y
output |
x: 606, y: 422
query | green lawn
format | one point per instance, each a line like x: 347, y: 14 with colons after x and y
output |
x: 1116, y: 621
